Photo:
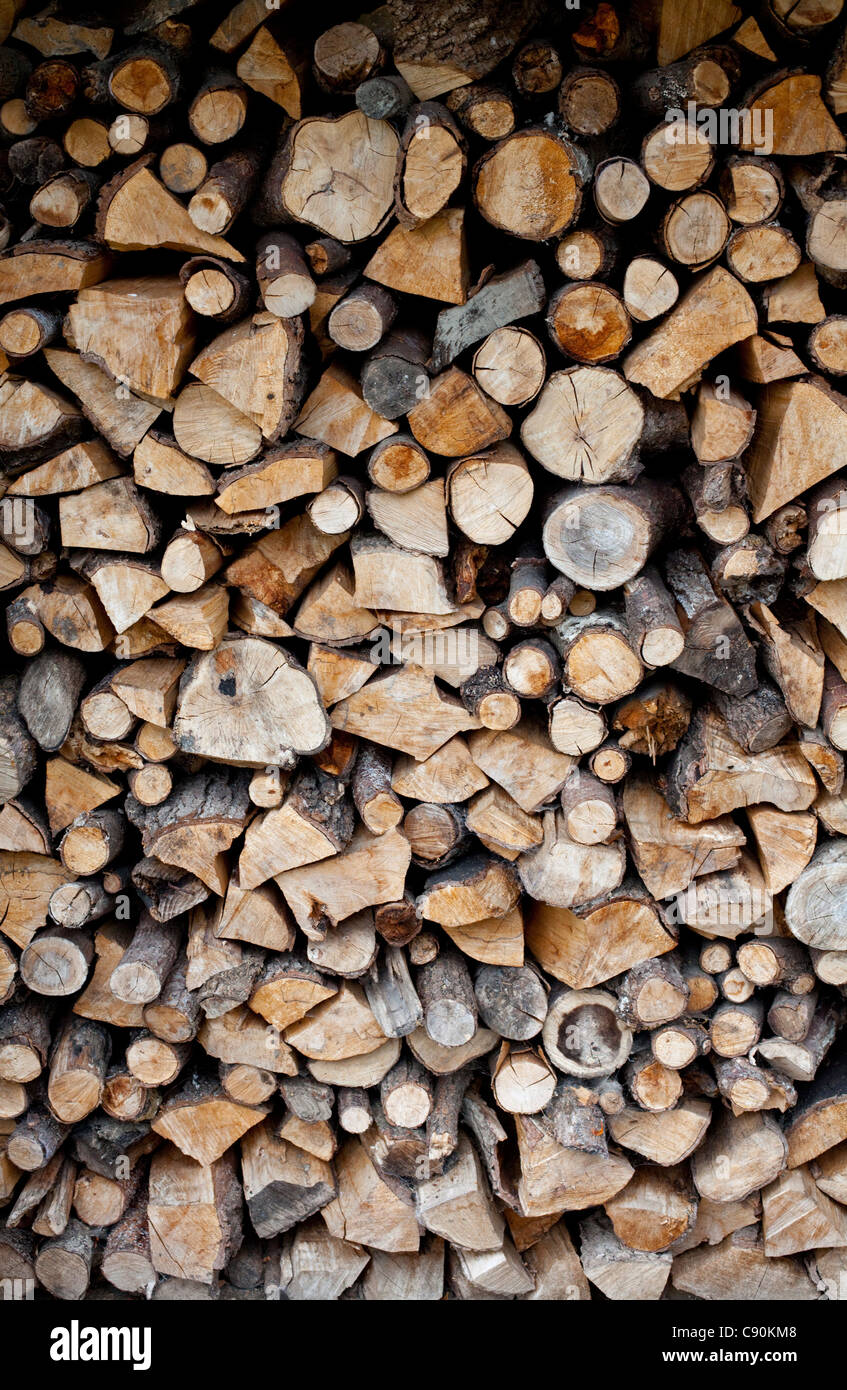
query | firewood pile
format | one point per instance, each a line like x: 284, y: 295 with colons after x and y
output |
x: 423, y: 830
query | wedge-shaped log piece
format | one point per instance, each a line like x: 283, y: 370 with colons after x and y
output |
x: 22, y: 827
x: 70, y: 791
x: 121, y: 417
x: 715, y: 313
x: 489, y: 1273
x: 500, y: 824
x: 669, y: 853
x: 136, y: 212
x: 196, y: 620
x: 276, y: 568
x: 283, y: 1185
x: 793, y: 656
x: 716, y: 1220
x: 364, y: 1070
x: 71, y: 612
x: 798, y: 1216
x: 148, y: 688
x: 195, y: 826
x: 319, y: 1265
x: 727, y: 903
x: 27, y: 883
x: 256, y: 366
x: 240, y: 1037
x: 127, y: 588
x: 370, y: 870
x: 314, y: 822
x: 316, y: 1138
x: 341, y: 1027
x: 521, y: 761
x: 448, y: 775
x: 48, y: 267
x: 366, y: 1208
x: 97, y: 1000
x: 829, y: 1172
x: 740, y: 1154
x: 403, y: 709
x: 165, y: 890
x: 291, y: 470
x: 785, y: 842
x: 337, y: 413
x: 208, y: 427
x: 801, y: 123
x: 388, y: 577
x: 551, y: 1260
x: 616, y: 1269
x: 348, y: 951
x: 819, y: 1120
x: 469, y: 890
x: 109, y: 516
x: 458, y: 1204
x: 556, y: 1179
x: 338, y: 673
x: 201, y: 1120
x: 36, y: 422
x: 394, y: 1278
x: 194, y: 1215
x: 654, y: 1210
x: 602, y: 940
x: 159, y: 465
x: 738, y: 1268
x: 266, y: 67
x: 456, y: 418
x: 711, y: 774
x: 288, y: 989
x: 140, y: 331
x: 666, y: 1137
x: 329, y: 611
x: 77, y: 467
x: 494, y: 940
x: 415, y: 520
x: 430, y: 260
x: 800, y: 439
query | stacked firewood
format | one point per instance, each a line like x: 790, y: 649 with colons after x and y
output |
x: 423, y: 827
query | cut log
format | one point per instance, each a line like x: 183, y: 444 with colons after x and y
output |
x: 136, y: 211
x: 202, y: 1199
x: 740, y: 1154
x: 603, y: 538
x: 718, y: 783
